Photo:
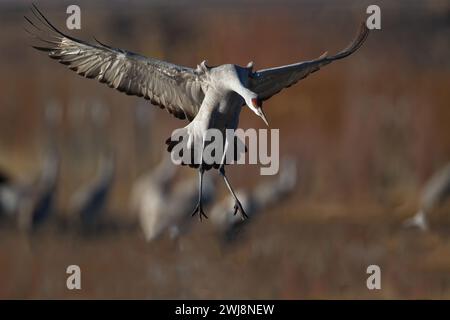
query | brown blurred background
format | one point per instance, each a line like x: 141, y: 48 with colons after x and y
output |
x: 366, y: 133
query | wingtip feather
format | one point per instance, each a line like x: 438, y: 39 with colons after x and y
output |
x: 45, y: 49
x: 357, y: 42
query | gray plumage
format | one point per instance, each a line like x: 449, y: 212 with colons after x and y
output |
x: 88, y: 203
x: 170, y: 86
x: 209, y: 97
x: 181, y: 90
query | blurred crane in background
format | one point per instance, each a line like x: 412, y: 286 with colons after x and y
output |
x: 5, y: 181
x: 263, y: 196
x: 12, y: 196
x: 40, y: 205
x: 89, y: 201
x: 161, y: 205
x: 36, y: 202
x: 435, y: 192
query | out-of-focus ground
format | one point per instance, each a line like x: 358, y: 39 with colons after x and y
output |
x: 366, y: 132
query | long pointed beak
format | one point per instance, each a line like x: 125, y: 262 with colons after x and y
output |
x: 263, y: 116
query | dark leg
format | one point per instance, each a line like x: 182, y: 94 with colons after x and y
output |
x: 237, y: 205
x: 198, y: 208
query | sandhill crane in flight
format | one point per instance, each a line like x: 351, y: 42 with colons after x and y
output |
x: 434, y: 193
x: 208, y: 97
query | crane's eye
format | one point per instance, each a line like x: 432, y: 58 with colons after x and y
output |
x: 257, y: 102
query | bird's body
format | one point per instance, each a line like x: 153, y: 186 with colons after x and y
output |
x: 208, y: 97
x: 220, y: 110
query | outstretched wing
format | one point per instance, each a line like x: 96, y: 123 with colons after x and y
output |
x: 269, y: 82
x: 176, y: 88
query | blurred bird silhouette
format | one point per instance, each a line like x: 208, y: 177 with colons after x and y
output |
x: 5, y: 180
x: 39, y: 206
x: 263, y: 196
x: 14, y: 197
x: 89, y: 201
x: 161, y: 205
x: 36, y: 202
x: 10, y: 194
x: 435, y: 192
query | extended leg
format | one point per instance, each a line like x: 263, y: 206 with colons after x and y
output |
x: 198, y: 208
x: 237, y: 205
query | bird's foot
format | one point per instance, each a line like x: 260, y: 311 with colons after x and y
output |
x: 238, y: 207
x: 199, y: 210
